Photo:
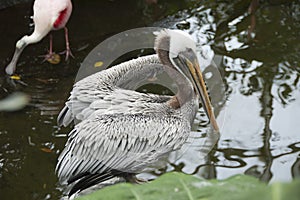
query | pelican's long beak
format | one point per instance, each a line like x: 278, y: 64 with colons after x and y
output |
x: 201, y: 87
x: 189, y: 59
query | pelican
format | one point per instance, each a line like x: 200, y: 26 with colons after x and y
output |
x: 47, y: 16
x: 121, y: 132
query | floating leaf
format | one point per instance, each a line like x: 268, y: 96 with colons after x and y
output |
x: 47, y: 150
x: 15, y: 77
x: 54, y: 59
x: 98, y: 64
x: 178, y: 186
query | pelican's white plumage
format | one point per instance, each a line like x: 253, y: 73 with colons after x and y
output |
x: 178, y: 40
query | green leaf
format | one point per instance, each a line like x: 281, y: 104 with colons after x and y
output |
x: 178, y: 186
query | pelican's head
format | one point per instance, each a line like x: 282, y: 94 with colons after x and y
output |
x: 177, y: 49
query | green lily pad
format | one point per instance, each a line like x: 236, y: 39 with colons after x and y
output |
x: 178, y: 186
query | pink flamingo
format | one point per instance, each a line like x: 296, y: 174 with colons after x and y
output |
x: 47, y: 15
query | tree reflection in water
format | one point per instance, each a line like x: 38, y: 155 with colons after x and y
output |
x: 258, y: 55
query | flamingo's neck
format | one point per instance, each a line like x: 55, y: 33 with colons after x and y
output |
x: 30, y: 39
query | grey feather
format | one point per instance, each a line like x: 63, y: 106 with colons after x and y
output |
x: 119, y: 129
x: 100, y: 90
x: 141, y: 145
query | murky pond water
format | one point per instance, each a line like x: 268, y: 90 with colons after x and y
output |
x: 257, y: 55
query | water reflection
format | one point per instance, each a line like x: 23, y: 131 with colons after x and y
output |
x: 264, y: 84
x: 261, y: 71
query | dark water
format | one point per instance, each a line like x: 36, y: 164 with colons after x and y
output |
x: 258, y: 56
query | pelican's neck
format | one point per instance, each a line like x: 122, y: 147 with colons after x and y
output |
x: 185, y: 88
x: 185, y: 92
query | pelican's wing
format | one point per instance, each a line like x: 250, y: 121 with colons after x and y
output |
x: 102, y: 90
x: 126, y: 143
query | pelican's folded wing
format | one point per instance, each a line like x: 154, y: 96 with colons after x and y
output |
x: 126, y: 143
x: 98, y: 91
